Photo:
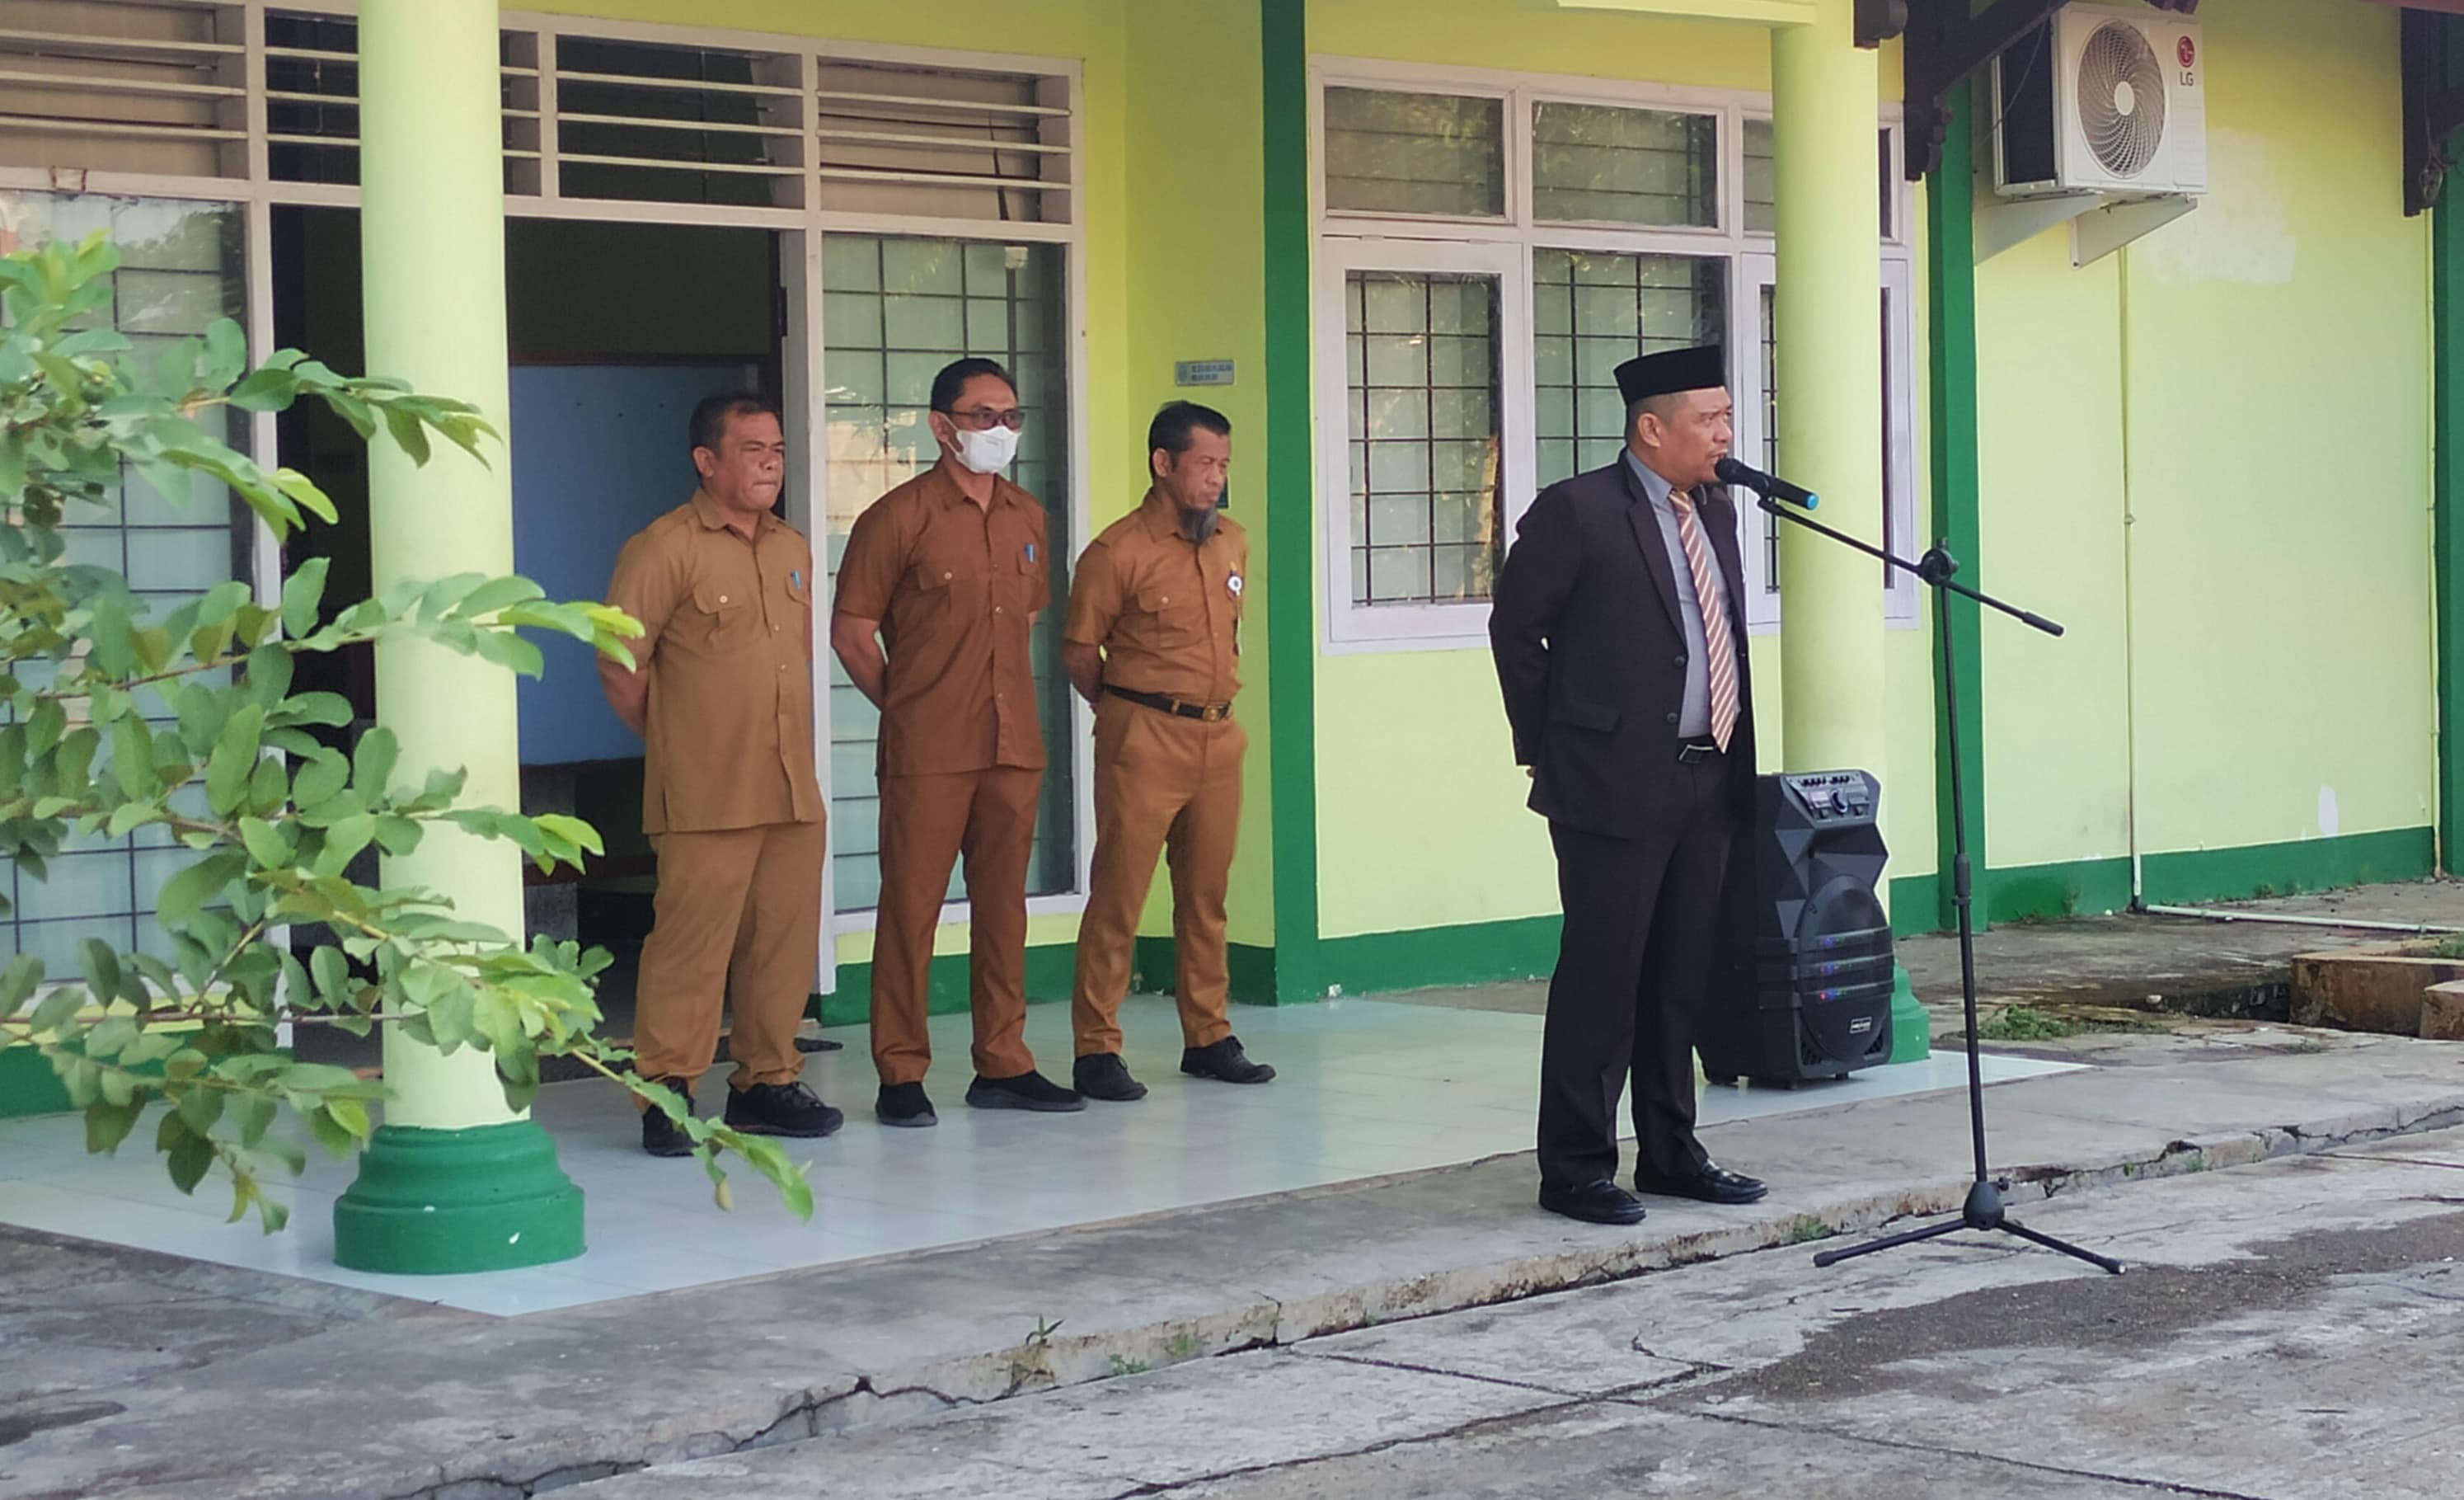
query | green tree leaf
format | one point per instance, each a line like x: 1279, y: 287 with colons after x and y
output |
x: 100, y: 966
x: 372, y: 762
x: 301, y: 594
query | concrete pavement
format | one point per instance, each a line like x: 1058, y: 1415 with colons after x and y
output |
x: 2288, y: 1330
x: 384, y: 1404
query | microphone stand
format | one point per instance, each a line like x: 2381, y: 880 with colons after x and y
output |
x: 1984, y: 1209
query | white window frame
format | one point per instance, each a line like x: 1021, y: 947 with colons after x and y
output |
x: 1347, y: 240
x: 1429, y: 626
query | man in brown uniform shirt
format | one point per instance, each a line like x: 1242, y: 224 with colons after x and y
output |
x: 1154, y: 642
x: 948, y: 571
x: 721, y: 692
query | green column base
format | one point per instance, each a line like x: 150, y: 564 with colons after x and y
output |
x: 441, y: 1201
x: 1911, y: 1024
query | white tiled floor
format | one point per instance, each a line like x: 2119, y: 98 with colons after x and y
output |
x: 1367, y: 1088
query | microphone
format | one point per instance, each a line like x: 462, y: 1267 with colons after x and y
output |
x: 1731, y: 472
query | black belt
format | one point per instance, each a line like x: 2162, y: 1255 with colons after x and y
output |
x: 1208, y: 712
x: 1701, y: 747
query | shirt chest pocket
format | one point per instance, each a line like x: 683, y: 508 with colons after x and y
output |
x: 946, y: 589
x: 1178, y: 615
x: 724, y: 618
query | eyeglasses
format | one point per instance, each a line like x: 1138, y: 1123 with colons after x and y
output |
x: 984, y: 419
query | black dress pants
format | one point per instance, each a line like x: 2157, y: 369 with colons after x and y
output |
x: 1632, y: 970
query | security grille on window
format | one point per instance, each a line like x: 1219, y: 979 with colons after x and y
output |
x: 1590, y: 311
x: 1423, y: 396
x: 1593, y: 229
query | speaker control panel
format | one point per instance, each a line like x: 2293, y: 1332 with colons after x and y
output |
x: 1831, y: 799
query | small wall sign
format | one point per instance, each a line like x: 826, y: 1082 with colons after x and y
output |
x: 1201, y: 372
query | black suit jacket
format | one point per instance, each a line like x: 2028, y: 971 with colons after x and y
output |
x: 1591, y: 654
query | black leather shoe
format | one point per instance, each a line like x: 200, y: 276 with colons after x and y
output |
x: 1713, y: 1184
x: 1596, y: 1202
x: 780, y: 1108
x: 662, y: 1137
x: 1223, y: 1060
x: 1103, y: 1075
x: 1028, y: 1090
x: 903, y: 1105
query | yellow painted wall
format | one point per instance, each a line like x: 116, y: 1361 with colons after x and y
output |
x: 1420, y: 815
x: 2259, y: 625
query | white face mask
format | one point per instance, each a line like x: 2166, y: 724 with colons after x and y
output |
x: 988, y: 451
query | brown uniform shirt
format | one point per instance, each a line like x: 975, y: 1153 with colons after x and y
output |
x: 955, y: 587
x: 728, y: 644
x: 1166, y: 611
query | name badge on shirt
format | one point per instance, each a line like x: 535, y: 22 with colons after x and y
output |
x: 1030, y: 552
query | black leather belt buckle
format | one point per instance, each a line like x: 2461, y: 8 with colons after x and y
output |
x: 1696, y: 750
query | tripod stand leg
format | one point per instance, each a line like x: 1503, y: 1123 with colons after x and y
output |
x: 1888, y: 1243
x: 2063, y: 1245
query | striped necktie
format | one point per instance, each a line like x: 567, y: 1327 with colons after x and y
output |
x: 1719, y: 646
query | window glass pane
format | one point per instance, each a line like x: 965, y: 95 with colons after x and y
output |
x: 1425, y: 503
x: 1762, y: 179
x: 895, y: 310
x: 1415, y: 153
x: 1596, y: 163
x: 1762, y: 182
x: 181, y: 270
x: 1592, y: 310
x: 1890, y: 188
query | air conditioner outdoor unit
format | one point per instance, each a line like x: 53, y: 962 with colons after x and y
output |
x: 2110, y: 102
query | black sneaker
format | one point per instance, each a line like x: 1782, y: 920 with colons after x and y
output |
x: 1103, y: 1075
x: 662, y: 1137
x: 780, y: 1108
x: 904, y: 1105
x: 1225, y: 1060
x: 1028, y: 1090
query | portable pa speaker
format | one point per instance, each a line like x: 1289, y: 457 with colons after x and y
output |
x: 1802, y: 976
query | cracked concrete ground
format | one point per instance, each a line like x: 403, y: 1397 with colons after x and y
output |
x: 254, y: 1388
x: 2288, y: 1330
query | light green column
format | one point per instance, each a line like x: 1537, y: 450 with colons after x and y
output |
x: 1825, y: 112
x: 454, y: 1181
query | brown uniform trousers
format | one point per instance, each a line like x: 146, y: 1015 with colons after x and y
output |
x: 956, y: 587
x: 927, y: 822
x: 1167, y: 613
x: 1161, y: 783
x: 729, y: 795
x: 739, y: 912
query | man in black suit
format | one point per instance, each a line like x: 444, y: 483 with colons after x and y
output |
x: 1620, y: 637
